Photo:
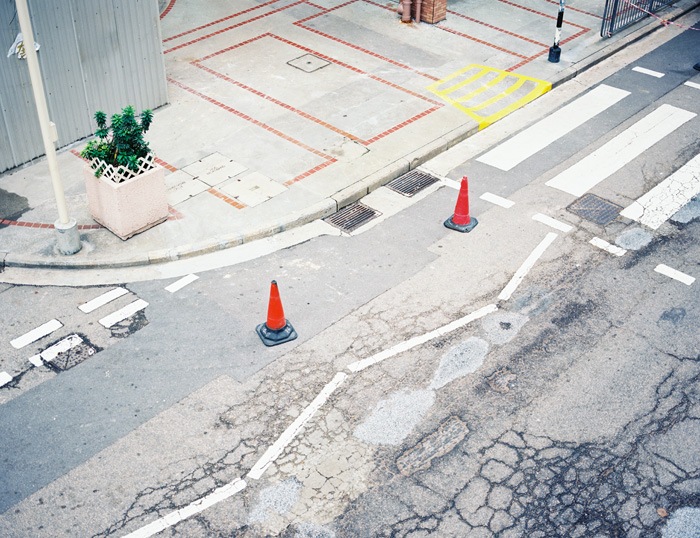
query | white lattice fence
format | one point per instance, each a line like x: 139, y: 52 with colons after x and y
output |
x: 121, y: 173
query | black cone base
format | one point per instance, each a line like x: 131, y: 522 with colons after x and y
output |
x: 271, y: 337
x: 554, y: 54
x: 464, y: 228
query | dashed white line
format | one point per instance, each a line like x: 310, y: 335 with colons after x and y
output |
x: 5, y: 378
x: 649, y: 72
x: 619, y: 151
x: 674, y: 273
x: 62, y: 346
x: 552, y: 223
x: 607, y: 247
x: 418, y: 340
x: 498, y: 200
x: 123, y: 313
x: 272, y: 453
x: 35, y: 334
x: 179, y: 284
x: 528, y: 264
x: 103, y: 299
x: 537, y: 137
x: 656, y: 206
x: 218, y: 495
x: 36, y: 360
x: 693, y: 85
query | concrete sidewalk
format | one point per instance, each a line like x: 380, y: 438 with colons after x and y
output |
x: 282, y: 112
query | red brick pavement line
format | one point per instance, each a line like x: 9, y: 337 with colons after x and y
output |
x: 501, y: 30
x: 232, y: 27
x: 404, y: 124
x: 246, y: 117
x: 306, y: 174
x: 280, y: 103
x: 546, y: 51
x: 301, y: 112
x: 548, y: 16
x: 357, y: 70
x: 570, y: 8
x: 230, y: 201
x: 167, y: 9
x: 44, y: 226
x: 301, y: 24
x: 218, y: 21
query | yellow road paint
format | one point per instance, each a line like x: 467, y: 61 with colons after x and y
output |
x: 476, y: 88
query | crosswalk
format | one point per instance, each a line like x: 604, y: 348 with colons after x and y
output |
x: 73, y: 348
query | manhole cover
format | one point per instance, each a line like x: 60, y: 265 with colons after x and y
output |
x: 352, y: 217
x: 308, y: 63
x: 411, y: 183
x: 595, y: 209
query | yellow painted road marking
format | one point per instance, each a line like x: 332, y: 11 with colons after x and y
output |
x: 490, y: 86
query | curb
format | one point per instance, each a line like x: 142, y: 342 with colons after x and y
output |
x: 341, y: 198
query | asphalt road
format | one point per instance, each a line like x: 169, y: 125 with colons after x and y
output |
x: 572, y: 410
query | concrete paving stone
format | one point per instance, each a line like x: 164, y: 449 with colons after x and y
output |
x: 214, y: 169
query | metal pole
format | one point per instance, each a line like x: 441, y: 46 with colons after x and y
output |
x: 554, y: 50
x: 65, y: 226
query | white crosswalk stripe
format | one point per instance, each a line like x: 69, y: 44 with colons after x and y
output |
x: 657, y: 205
x: 615, y: 154
x: 538, y: 136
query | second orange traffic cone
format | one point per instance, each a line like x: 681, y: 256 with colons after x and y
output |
x: 276, y: 330
x: 461, y: 221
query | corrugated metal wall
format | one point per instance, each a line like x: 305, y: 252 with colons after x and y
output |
x: 94, y: 55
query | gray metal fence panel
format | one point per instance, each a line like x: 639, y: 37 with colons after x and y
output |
x: 94, y: 55
x: 619, y: 14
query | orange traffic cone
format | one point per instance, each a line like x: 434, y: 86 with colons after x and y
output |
x: 276, y: 330
x: 461, y: 221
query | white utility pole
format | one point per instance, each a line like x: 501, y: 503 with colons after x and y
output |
x: 66, y: 227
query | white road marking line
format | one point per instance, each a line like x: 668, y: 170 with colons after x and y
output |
x: 495, y: 199
x: 693, y: 85
x: 552, y: 223
x: 5, y: 378
x: 456, y: 185
x: 541, y: 134
x: 418, y: 340
x: 656, y: 206
x: 272, y: 453
x: 62, y: 346
x: 528, y: 264
x: 102, y: 300
x: 619, y: 151
x: 35, y: 334
x: 675, y: 274
x: 607, y: 247
x: 36, y: 360
x: 649, y: 72
x: 179, y: 284
x: 218, y: 495
x: 123, y: 313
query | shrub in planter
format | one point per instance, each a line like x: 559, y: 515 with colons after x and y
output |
x: 125, y: 187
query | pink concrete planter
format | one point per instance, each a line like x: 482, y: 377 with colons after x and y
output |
x: 129, y: 207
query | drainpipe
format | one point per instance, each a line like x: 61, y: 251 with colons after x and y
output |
x: 418, y: 6
x: 68, y: 238
x: 405, y: 10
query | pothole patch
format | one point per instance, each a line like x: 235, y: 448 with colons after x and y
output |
x: 634, y: 239
x: 502, y: 327
x: 395, y: 418
x: 276, y: 499
x: 459, y: 361
x: 434, y: 445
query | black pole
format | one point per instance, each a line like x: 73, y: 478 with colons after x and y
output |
x: 554, y: 50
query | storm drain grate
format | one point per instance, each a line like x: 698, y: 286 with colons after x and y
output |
x: 352, y: 217
x: 595, y: 209
x: 411, y: 183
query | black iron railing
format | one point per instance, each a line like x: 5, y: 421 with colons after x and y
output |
x: 620, y: 14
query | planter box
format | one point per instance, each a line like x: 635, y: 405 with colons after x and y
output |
x: 129, y: 207
x: 432, y: 11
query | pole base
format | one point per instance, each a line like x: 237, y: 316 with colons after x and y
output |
x: 554, y: 54
x: 273, y: 337
x: 464, y: 228
x: 67, y: 237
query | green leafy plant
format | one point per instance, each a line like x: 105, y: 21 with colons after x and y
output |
x: 121, y: 143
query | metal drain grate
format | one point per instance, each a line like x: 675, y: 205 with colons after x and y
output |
x: 352, y: 217
x: 595, y: 209
x: 411, y: 183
